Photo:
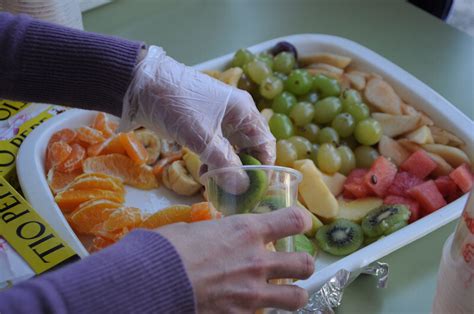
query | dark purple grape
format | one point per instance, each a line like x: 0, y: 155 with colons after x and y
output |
x: 284, y: 46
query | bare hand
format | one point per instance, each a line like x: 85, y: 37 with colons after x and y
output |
x: 229, y: 266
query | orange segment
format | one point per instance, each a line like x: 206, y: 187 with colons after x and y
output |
x: 203, y: 211
x: 162, y: 163
x: 69, y: 200
x: 133, y: 147
x: 99, y: 243
x: 112, y: 145
x: 58, y: 180
x: 74, y: 160
x: 169, y: 215
x: 124, y: 217
x: 103, y: 123
x: 57, y: 153
x: 64, y: 135
x: 122, y: 167
x: 89, y: 135
x: 97, y: 181
x: 90, y: 214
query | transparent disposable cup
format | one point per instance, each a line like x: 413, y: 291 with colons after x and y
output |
x: 269, y: 188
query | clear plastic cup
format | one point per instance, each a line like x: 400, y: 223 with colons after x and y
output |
x: 269, y: 188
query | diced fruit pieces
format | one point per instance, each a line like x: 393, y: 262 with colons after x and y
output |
x: 355, y: 187
x: 419, y: 164
x: 403, y: 181
x: 462, y: 176
x: 412, y: 205
x: 380, y: 176
x: 448, y: 188
x: 428, y: 196
x: 315, y: 193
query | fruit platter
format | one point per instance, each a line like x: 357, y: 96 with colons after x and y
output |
x: 382, y: 162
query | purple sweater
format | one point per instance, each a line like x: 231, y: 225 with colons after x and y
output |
x: 142, y: 273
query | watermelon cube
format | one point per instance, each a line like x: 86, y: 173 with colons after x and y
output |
x: 462, y: 176
x: 448, y: 188
x: 412, y: 205
x: 428, y: 196
x: 419, y: 164
x: 354, y: 186
x: 403, y: 181
x: 380, y: 176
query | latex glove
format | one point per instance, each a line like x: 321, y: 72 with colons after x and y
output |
x: 229, y: 266
x: 196, y: 110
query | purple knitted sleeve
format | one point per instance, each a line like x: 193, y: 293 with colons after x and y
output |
x: 140, y: 274
x: 44, y: 62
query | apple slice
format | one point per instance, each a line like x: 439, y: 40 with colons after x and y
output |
x: 421, y: 136
x: 454, y: 156
x: 391, y: 149
x: 334, y: 182
x: 357, y: 209
x: 382, y: 96
x: 329, y: 58
x: 395, y: 125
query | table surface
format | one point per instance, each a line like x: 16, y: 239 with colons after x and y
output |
x: 193, y: 31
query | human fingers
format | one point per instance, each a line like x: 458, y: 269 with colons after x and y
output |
x: 289, y: 265
x: 282, y: 223
x: 286, y: 297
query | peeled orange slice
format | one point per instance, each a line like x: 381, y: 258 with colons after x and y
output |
x: 91, y: 213
x: 124, y: 217
x: 69, y: 200
x: 64, y: 135
x: 74, y: 160
x: 104, y: 123
x: 124, y: 168
x: 97, y: 181
x: 89, y: 135
x: 99, y: 243
x: 58, y: 180
x: 112, y: 145
x: 203, y: 211
x: 169, y: 215
x: 57, y: 153
x: 134, y: 148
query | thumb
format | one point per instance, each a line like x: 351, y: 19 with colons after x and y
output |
x: 220, y: 154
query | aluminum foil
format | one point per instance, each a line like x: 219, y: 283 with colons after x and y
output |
x: 329, y: 297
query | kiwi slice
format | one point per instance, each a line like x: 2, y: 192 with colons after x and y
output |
x: 340, y: 238
x: 246, y: 201
x: 270, y: 203
x: 303, y: 244
x: 385, y: 220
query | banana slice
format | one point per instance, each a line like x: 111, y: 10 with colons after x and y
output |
x: 193, y: 163
x: 177, y: 178
x: 152, y: 144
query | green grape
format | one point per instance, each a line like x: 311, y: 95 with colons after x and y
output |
x: 309, y: 131
x: 285, y: 153
x: 302, y: 145
x: 365, y: 156
x: 344, y: 124
x: 327, y: 109
x: 328, y: 135
x: 267, y: 58
x: 299, y: 82
x: 314, y: 154
x: 350, y: 97
x: 246, y: 84
x: 284, y: 62
x: 281, y: 76
x: 350, y: 142
x: 283, y: 103
x: 328, y: 158
x: 368, y: 132
x: 281, y: 126
x: 242, y: 57
x: 326, y: 86
x: 270, y: 87
x: 348, y: 160
x: 257, y: 70
x: 311, y: 97
x: 302, y: 113
x: 358, y: 111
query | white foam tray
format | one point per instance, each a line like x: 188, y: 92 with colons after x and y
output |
x: 33, y: 182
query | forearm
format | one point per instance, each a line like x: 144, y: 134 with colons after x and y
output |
x: 142, y: 274
x: 43, y: 62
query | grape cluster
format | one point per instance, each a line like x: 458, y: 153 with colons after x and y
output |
x: 313, y: 118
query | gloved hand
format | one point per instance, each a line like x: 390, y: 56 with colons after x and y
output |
x: 196, y: 110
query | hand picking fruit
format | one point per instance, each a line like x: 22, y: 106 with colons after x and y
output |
x: 178, y: 268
